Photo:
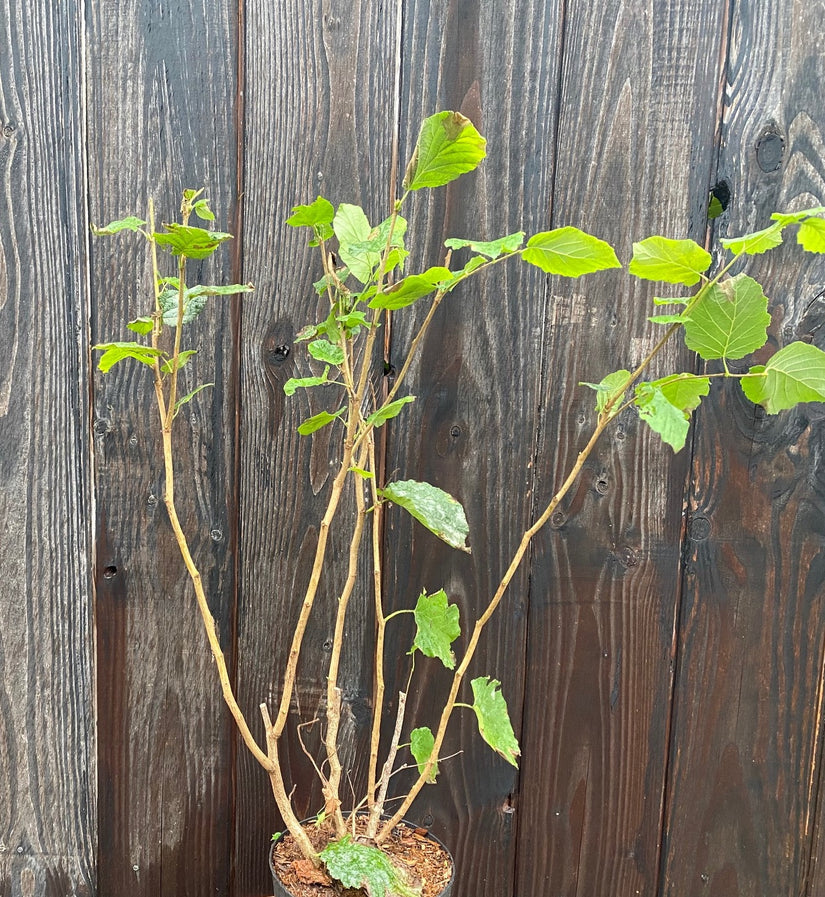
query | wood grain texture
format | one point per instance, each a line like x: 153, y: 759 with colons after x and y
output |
x: 162, y: 89
x: 320, y: 98
x: 47, y: 738
x: 747, y: 733
x: 471, y: 430
x: 635, y: 152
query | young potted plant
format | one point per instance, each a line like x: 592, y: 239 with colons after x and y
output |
x: 723, y: 317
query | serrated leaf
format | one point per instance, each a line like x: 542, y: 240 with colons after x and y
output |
x: 811, y: 235
x: 684, y: 391
x: 448, y: 146
x: 317, y: 215
x: 671, y: 261
x: 661, y: 415
x: 607, y: 388
x: 192, y: 307
x: 317, y: 421
x: 434, y: 508
x: 756, y: 243
x: 142, y: 325
x: 492, y: 249
x: 382, y: 415
x: 411, y: 288
x: 323, y: 350
x: 437, y: 623
x: 730, y: 321
x: 794, y: 374
x: 362, y: 866
x: 114, y: 227
x: 422, y: 743
x: 294, y: 383
x: 189, y: 396
x: 493, y: 719
x: 183, y: 358
x: 115, y: 352
x: 569, y: 252
x: 191, y: 242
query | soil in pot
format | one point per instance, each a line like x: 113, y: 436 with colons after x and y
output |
x: 425, y: 858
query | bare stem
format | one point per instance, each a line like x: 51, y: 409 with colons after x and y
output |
x: 377, y: 807
x: 380, y: 625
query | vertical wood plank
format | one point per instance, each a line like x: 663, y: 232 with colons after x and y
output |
x: 747, y: 733
x: 162, y: 85
x: 635, y: 152
x: 471, y: 429
x: 47, y: 738
x: 320, y: 100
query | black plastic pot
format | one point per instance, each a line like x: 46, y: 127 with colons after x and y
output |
x: 280, y: 891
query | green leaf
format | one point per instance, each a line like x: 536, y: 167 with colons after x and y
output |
x: 811, y: 235
x: 214, y: 290
x: 421, y: 746
x: 714, y: 207
x: 382, y: 415
x: 411, y: 288
x: 794, y: 374
x: 191, y: 395
x: 476, y: 262
x: 352, y: 228
x: 666, y: 319
x: 448, y: 146
x: 661, y: 300
x: 192, y: 307
x: 202, y: 210
x: 362, y: 866
x: 115, y: 352
x: 323, y: 350
x: 114, y: 227
x: 183, y: 358
x: 570, y: 252
x: 493, y: 719
x: 730, y: 321
x: 491, y: 249
x: 437, y: 627
x: 190, y: 242
x: 142, y: 325
x: 670, y: 422
x: 672, y: 261
x: 318, y: 215
x: 607, y: 388
x: 364, y: 474
x: 684, y: 391
x: 317, y: 421
x: 293, y: 383
x: 353, y: 321
x: 786, y: 218
x: 756, y: 243
x: 433, y: 508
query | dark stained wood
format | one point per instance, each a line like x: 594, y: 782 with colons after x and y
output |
x: 320, y: 99
x: 745, y: 782
x: 162, y: 88
x: 471, y: 430
x: 635, y: 152
x: 48, y: 839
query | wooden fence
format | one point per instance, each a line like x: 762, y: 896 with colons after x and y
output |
x: 662, y: 652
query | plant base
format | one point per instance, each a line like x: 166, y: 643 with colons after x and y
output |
x: 427, y: 860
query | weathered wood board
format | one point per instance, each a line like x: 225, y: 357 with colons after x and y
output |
x: 162, y: 83
x: 747, y: 731
x: 48, y: 797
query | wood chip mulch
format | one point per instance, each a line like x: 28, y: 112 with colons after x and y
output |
x: 423, y: 858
